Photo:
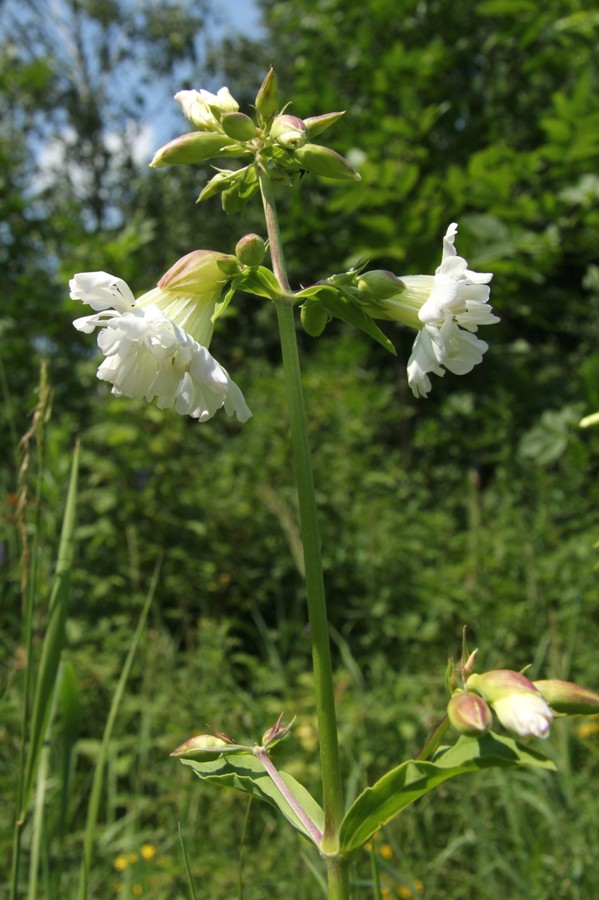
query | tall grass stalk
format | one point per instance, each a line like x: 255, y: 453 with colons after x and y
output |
x: 98, y: 780
x: 39, y: 684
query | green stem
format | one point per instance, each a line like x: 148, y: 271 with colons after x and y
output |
x: 321, y: 653
x: 297, y: 808
x: 434, y: 740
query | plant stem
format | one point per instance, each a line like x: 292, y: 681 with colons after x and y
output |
x: 434, y: 740
x: 297, y: 808
x: 321, y: 653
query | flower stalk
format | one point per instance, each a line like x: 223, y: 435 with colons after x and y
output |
x: 262, y: 754
x: 321, y: 653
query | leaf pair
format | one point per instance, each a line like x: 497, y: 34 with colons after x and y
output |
x: 381, y: 802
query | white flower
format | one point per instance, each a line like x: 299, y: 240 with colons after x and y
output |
x: 198, y: 107
x: 527, y: 715
x: 148, y: 355
x: 446, y: 308
x: 456, y: 302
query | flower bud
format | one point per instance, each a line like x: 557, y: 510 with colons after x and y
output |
x: 193, y: 147
x: 202, y: 747
x: 517, y: 703
x: 317, y: 124
x: 198, y: 272
x: 250, y: 250
x: 566, y: 697
x: 229, y: 265
x: 289, y: 132
x: 267, y: 99
x: 314, y: 318
x: 380, y: 284
x: 469, y: 713
x: 324, y: 161
x: 238, y: 126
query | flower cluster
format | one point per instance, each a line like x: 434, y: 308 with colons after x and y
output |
x: 522, y: 706
x: 274, y: 140
x: 446, y: 308
x: 156, y: 347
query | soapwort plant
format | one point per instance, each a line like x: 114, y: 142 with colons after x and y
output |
x: 156, y: 346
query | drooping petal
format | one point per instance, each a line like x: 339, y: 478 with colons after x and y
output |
x: 462, y: 350
x: 101, y: 291
x: 423, y: 360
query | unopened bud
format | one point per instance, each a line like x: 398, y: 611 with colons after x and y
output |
x: 267, y: 99
x: 194, y: 147
x: 250, y: 250
x: 566, y: 697
x: 198, y: 272
x: 317, y: 124
x: 380, y: 284
x: 314, y: 318
x: 289, y: 132
x: 324, y: 161
x: 238, y: 126
x: 229, y: 265
x: 202, y: 747
x: 469, y: 713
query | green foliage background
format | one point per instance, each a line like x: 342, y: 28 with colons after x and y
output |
x: 477, y: 506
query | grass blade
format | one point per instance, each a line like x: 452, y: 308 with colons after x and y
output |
x: 98, y: 781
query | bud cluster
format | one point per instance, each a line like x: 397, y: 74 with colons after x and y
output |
x: 526, y: 708
x: 275, y: 140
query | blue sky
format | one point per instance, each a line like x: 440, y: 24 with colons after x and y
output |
x: 243, y: 15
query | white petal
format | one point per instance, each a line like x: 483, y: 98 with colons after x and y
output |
x: 102, y: 291
x: 449, y: 240
x: 528, y: 715
x: 424, y: 359
x: 235, y: 404
x: 463, y: 350
x: 443, y: 296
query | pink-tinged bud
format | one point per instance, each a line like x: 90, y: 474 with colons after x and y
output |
x: 517, y: 703
x: 469, y: 713
x: 267, y: 99
x: 289, y: 132
x: 379, y: 284
x: 324, y: 161
x: 317, y: 124
x: 197, y: 272
x: 238, y: 126
x: 500, y: 683
x: 202, y: 747
x: 569, y: 698
x: 187, y: 149
x: 250, y: 250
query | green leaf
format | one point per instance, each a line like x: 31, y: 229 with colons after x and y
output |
x: 243, y: 772
x: 400, y: 787
x: 260, y: 281
x: 55, y: 634
x: 222, y: 305
x: 221, y: 182
x: 342, y: 306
